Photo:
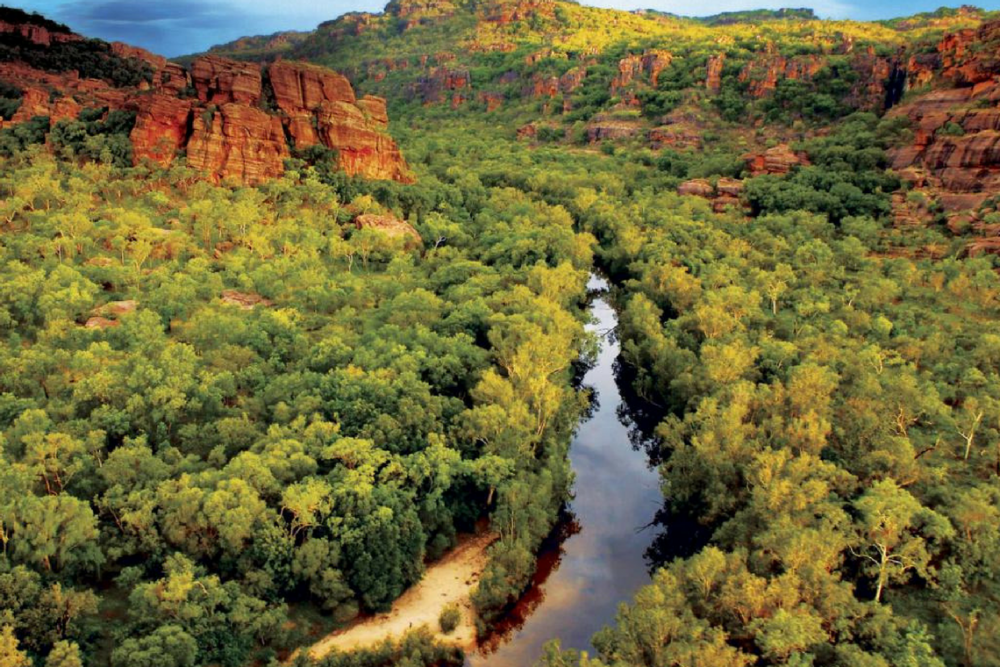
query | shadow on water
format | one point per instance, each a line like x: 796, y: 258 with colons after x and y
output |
x: 550, y: 556
x: 678, y: 533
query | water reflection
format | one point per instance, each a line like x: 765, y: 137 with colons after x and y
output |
x: 549, y: 558
x: 597, y: 559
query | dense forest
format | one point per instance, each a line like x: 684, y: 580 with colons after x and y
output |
x: 235, y: 416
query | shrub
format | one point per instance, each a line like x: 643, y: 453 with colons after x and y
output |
x: 450, y: 618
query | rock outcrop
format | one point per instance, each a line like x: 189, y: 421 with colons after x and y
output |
x: 244, y: 300
x: 713, y: 80
x: 725, y: 194
x: 778, y: 160
x: 509, y: 11
x: 237, y: 142
x: 221, y: 80
x: 161, y: 127
x: 956, y: 131
x: 650, y: 63
x: 228, y: 119
x: 37, y: 34
x: 677, y: 137
x: 604, y: 129
x: 300, y: 86
x: 319, y: 107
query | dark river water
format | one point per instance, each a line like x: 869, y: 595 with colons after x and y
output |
x: 597, y: 558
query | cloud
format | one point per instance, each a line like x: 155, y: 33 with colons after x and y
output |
x: 166, y: 27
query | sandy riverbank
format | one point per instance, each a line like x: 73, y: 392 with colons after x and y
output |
x: 449, y: 580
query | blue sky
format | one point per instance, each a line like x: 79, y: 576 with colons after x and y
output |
x: 176, y: 27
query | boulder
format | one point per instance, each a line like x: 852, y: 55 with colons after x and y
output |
x: 777, y: 160
x: 729, y: 187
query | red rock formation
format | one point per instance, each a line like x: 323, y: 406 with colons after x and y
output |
x: 172, y: 79
x: 628, y: 68
x: 572, y: 79
x: 869, y: 91
x: 602, y: 129
x: 224, y: 132
x: 100, y: 323
x: 493, y: 101
x: 654, y: 62
x: 777, y: 160
x: 713, y: 82
x: 374, y: 108
x: 724, y: 195
x: 970, y: 57
x: 542, y: 86
x: 698, y: 187
x: 404, y: 8
x: 729, y: 187
x: 37, y: 34
x: 238, y: 143
x: 303, y: 87
x: 763, y: 73
x: 123, y: 50
x: 221, y: 80
x: 244, y: 300
x: 676, y: 137
x: 651, y: 63
x: 319, y: 106
x: 529, y: 131
x: 161, y: 128
x: 956, y: 144
x: 921, y: 69
x: 36, y: 101
x: 364, y: 150
x: 432, y: 87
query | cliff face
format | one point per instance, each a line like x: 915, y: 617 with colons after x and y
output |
x: 238, y: 142
x: 230, y: 119
x: 319, y: 107
x: 956, y: 129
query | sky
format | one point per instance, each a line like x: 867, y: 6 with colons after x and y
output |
x: 178, y: 27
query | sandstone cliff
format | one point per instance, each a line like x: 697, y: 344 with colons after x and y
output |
x: 230, y: 119
x: 956, y: 129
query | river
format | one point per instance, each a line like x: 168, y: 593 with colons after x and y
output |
x: 596, y: 560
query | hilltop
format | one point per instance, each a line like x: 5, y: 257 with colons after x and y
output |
x: 733, y: 86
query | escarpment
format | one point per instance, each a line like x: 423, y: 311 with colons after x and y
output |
x: 231, y: 120
x: 955, y: 149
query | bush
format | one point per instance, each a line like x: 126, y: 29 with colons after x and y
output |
x: 450, y: 618
x: 10, y: 99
